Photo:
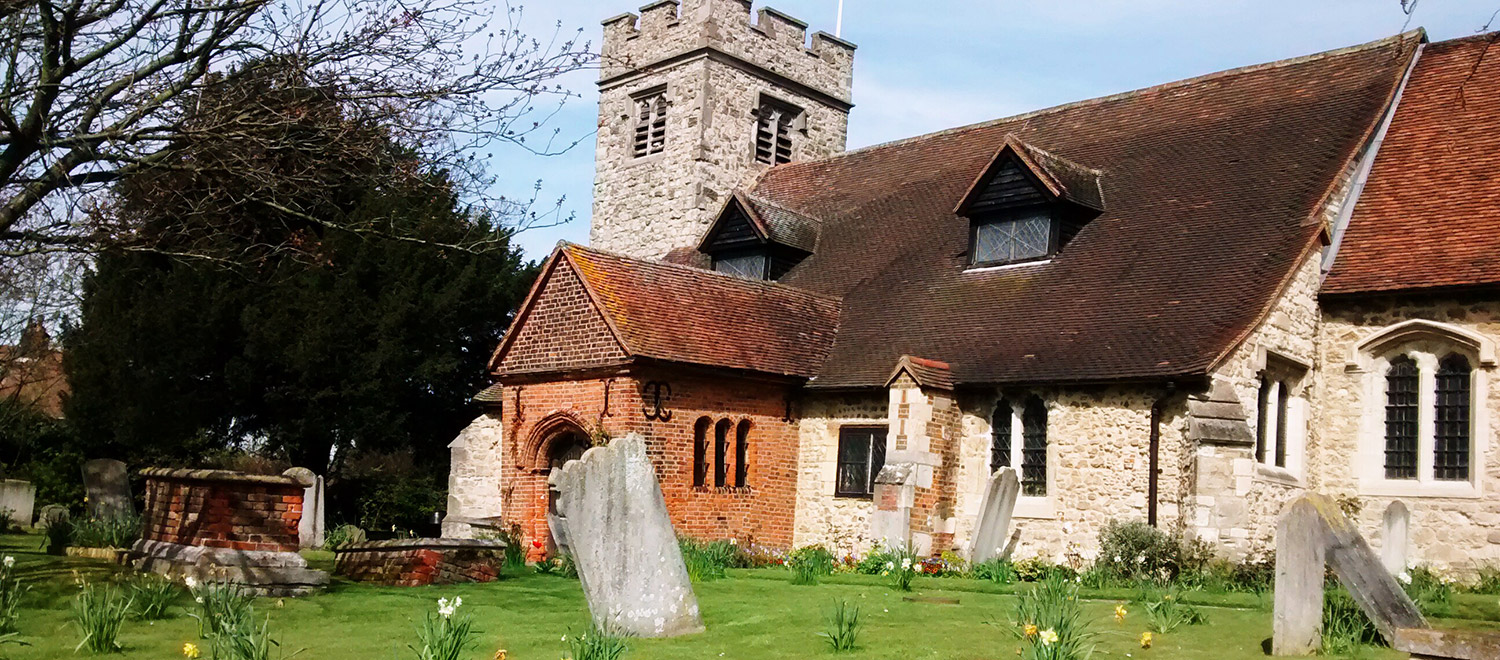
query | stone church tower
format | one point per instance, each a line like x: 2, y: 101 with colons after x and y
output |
x: 695, y: 101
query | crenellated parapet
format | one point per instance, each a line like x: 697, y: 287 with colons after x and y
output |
x: 773, y: 43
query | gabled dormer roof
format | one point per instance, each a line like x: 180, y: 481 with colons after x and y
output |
x: 1048, y: 174
x: 747, y: 220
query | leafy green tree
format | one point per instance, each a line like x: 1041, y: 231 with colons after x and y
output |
x: 358, y: 348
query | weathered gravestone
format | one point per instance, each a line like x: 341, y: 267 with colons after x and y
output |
x: 995, y: 510
x: 17, y: 498
x: 1396, y: 530
x: 1312, y: 533
x: 310, y: 529
x: 107, y: 489
x: 609, y: 514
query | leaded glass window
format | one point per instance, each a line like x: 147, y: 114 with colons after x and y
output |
x: 1402, y: 380
x: 700, y: 451
x: 1018, y: 238
x: 1034, y: 447
x: 650, y: 125
x: 721, y: 453
x: 1451, y: 417
x: 749, y: 266
x: 1000, y: 427
x: 1283, y: 400
x: 1262, y: 417
x: 742, y: 453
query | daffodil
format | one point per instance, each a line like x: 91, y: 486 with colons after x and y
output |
x: 1049, y: 637
x: 1145, y: 640
x: 190, y: 650
x: 1120, y: 612
x: 10, y: 561
x: 1029, y: 630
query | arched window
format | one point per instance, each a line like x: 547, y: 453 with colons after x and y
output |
x: 1451, y: 410
x: 700, y: 451
x: 1402, y: 380
x: 650, y: 125
x: 1262, y: 416
x: 721, y: 452
x: 1000, y: 427
x: 742, y: 453
x: 1034, y: 447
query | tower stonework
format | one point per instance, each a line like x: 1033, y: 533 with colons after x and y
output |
x: 694, y: 99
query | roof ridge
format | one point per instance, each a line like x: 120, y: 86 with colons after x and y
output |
x: 1478, y: 36
x: 767, y: 284
x: 1420, y: 33
x: 762, y: 199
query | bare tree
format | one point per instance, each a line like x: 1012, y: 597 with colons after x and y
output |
x: 94, y: 90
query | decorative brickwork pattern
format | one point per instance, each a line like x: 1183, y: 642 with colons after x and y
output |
x: 221, y: 509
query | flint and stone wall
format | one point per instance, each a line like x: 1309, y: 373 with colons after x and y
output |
x: 476, y: 461
x: 222, y: 509
x: 1449, y: 530
x: 841, y: 523
x: 713, y: 65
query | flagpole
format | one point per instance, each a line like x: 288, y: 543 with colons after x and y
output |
x: 838, y: 26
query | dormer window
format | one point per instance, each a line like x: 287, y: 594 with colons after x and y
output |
x: 1008, y: 238
x: 774, y: 122
x: 758, y: 239
x: 650, y: 124
x: 1026, y: 205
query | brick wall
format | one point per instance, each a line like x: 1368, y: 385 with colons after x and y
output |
x: 417, y: 566
x: 762, y: 511
x: 563, y: 329
x: 222, y: 509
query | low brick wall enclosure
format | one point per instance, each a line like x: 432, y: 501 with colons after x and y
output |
x: 417, y: 562
x: 229, y: 525
x: 222, y: 509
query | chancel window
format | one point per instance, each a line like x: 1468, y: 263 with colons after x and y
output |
x: 1451, y: 420
x: 1402, y: 381
x: 861, y: 456
x: 1013, y: 238
x: 650, y: 125
x: 1018, y: 439
x: 774, y: 123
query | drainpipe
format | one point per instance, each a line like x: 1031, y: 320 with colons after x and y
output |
x: 1157, y: 409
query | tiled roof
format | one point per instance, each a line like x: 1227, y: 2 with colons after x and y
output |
x: 683, y: 314
x: 783, y: 225
x: 1214, y: 187
x: 927, y: 373
x: 1063, y: 178
x: 1429, y: 216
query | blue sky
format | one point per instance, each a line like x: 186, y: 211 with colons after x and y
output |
x: 927, y: 65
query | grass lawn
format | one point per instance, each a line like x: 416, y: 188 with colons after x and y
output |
x: 749, y: 615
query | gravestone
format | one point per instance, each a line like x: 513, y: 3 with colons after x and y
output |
x: 1314, y: 533
x: 51, y: 514
x: 310, y: 530
x: 17, y: 498
x: 609, y: 513
x: 895, y: 494
x: 1396, y: 530
x: 107, y: 489
x: 995, y: 510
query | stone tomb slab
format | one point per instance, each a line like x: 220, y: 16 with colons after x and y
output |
x: 419, y: 562
x: 614, y: 522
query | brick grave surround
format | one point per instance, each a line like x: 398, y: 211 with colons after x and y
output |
x: 219, y: 524
x: 420, y: 562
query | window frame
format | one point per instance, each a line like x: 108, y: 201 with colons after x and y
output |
x: 763, y: 253
x: 634, y: 150
x: 701, y: 429
x: 742, y: 453
x: 1054, y: 232
x: 1027, y: 505
x: 875, y: 435
x: 1428, y: 344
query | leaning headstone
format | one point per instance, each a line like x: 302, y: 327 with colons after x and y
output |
x: 310, y: 530
x: 995, y: 510
x: 613, y: 519
x: 1312, y: 531
x: 1396, y: 529
x: 107, y: 489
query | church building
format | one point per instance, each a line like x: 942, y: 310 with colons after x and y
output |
x: 1184, y: 304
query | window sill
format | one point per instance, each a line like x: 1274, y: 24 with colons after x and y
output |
x: 845, y: 496
x: 1277, y: 475
x: 631, y: 161
x: 1021, y: 264
x: 1435, y: 489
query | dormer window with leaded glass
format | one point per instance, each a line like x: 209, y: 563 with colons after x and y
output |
x: 1026, y: 205
x: 758, y: 239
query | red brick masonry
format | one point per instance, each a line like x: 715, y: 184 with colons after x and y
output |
x: 222, y: 509
x: 418, y: 562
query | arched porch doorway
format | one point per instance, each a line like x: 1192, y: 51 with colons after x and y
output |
x: 564, y: 443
